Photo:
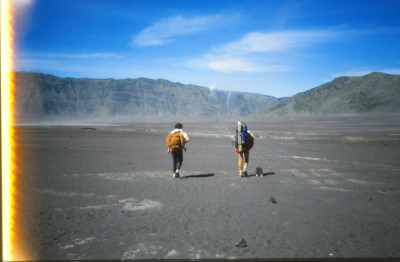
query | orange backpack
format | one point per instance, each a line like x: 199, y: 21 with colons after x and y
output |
x: 175, y: 141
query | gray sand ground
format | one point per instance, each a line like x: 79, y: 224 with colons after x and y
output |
x: 107, y: 192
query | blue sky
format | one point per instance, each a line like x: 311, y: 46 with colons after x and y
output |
x: 272, y: 47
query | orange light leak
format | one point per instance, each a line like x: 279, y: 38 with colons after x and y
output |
x: 8, y: 165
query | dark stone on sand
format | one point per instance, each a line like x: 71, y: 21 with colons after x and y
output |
x: 273, y: 200
x: 242, y: 243
x: 259, y: 171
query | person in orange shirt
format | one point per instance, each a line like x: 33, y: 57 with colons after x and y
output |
x: 175, y: 142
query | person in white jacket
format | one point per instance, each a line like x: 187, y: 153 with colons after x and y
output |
x: 243, y: 151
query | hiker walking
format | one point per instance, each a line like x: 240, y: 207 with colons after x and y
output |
x: 244, y: 141
x: 175, y: 142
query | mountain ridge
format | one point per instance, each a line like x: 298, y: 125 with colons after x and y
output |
x: 42, y: 95
x: 372, y: 93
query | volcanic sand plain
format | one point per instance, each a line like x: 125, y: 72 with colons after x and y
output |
x: 330, y: 188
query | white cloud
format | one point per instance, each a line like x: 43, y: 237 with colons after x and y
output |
x: 165, y: 31
x: 258, y: 51
x: 232, y: 64
x: 238, y: 64
x: 259, y: 42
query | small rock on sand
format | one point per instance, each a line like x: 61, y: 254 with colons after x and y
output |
x: 242, y: 243
x: 273, y: 200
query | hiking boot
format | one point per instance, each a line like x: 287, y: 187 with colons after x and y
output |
x: 245, y: 171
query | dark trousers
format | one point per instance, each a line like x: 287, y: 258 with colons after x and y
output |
x: 177, y: 159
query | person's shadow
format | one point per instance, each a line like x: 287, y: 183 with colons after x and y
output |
x: 198, y: 176
x: 264, y: 174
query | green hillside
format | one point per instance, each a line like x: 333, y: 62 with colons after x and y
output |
x: 372, y: 93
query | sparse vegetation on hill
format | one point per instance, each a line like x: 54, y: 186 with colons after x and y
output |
x: 375, y: 92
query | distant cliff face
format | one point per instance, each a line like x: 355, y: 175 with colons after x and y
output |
x: 372, y: 93
x: 40, y: 95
